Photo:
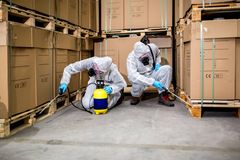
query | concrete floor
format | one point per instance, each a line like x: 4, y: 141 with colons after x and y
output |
x: 145, y: 132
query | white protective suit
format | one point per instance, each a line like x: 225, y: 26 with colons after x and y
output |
x: 142, y: 76
x: 111, y: 76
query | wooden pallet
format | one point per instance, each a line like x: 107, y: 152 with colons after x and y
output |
x: 32, y: 18
x: 195, y: 107
x: 17, y: 123
x: 197, y: 12
x: 138, y: 32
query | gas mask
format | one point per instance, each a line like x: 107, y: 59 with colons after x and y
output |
x: 145, y: 59
x: 95, y: 71
x: 91, y: 72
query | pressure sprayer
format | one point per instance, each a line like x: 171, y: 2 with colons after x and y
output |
x: 100, y: 98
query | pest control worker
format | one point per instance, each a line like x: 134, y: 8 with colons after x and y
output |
x: 99, y: 68
x: 144, y: 69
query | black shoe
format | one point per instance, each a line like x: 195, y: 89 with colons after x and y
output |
x: 163, y: 99
x: 135, y: 100
x: 121, y: 98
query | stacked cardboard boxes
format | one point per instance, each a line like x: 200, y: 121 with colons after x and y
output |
x: 45, y: 6
x: 33, y: 58
x: 43, y: 49
x: 77, y: 12
x: 66, y: 52
x: 88, y: 14
x: 218, y: 63
x: 26, y: 79
x: 137, y: 14
x: 208, y: 53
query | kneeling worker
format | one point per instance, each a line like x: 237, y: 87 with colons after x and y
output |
x: 144, y: 69
x: 99, y: 68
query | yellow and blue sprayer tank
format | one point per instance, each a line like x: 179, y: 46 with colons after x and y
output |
x: 100, y: 99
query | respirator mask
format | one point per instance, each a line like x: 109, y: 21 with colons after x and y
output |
x: 95, y: 71
x: 144, y: 59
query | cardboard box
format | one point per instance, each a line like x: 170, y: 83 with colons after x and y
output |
x: 45, y: 6
x: 188, y: 3
x: 22, y: 80
x: 224, y: 69
x: 63, y: 58
x: 42, y: 38
x: 125, y: 47
x: 162, y: 42
x: 73, y: 11
x: 93, y: 15
x: 73, y: 56
x: 98, y: 14
x: 109, y: 47
x: 61, y: 61
x: 166, y: 56
x: 135, y: 14
x: 84, y: 74
x: 212, y: 29
x: 62, y: 9
x: 85, y: 14
x: 159, y: 13
x: 4, y: 81
x: 237, y: 69
x: 86, y: 44
x: 112, y: 15
x: 26, y: 79
x: 224, y: 33
x: 20, y: 35
x: 24, y: 3
x: 80, y: 12
x: 219, y: 28
x: 44, y: 75
x: 64, y: 41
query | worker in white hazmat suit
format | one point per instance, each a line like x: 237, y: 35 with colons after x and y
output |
x: 99, y: 68
x: 144, y: 69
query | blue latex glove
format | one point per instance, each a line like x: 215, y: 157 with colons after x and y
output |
x: 62, y: 88
x: 157, y: 67
x: 158, y: 85
x: 108, y: 89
